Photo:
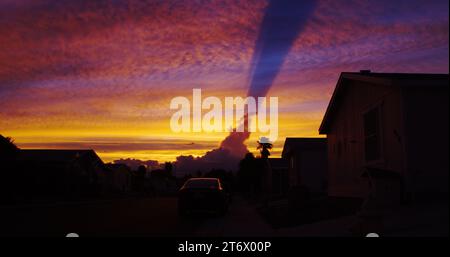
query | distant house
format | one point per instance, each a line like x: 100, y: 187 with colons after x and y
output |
x: 58, y: 173
x: 119, y: 177
x: 307, y: 163
x: 279, y: 169
x: 388, y: 135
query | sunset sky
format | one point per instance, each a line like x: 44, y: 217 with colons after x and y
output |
x: 101, y: 74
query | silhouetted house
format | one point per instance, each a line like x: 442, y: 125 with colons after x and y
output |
x: 279, y: 169
x: 307, y: 162
x: 388, y: 135
x: 118, y: 177
x: 262, y: 178
x: 59, y: 173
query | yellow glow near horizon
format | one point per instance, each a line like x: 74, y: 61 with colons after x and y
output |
x: 159, y: 134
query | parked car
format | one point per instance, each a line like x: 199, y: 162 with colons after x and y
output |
x: 202, y: 195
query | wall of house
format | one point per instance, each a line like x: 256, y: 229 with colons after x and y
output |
x: 122, y: 179
x: 346, y: 155
x: 309, y: 168
x: 280, y: 180
x: 427, y: 127
x: 313, y: 170
x: 293, y: 170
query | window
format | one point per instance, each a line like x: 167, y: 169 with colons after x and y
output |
x: 372, y: 137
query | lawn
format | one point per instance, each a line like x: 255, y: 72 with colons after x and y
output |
x: 315, y: 210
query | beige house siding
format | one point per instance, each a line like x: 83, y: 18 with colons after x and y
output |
x: 346, y: 136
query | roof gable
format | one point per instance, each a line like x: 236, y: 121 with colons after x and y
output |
x: 404, y: 80
x: 53, y: 155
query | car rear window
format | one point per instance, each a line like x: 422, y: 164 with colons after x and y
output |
x: 202, y: 183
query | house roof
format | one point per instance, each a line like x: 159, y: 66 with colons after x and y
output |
x: 117, y: 165
x: 53, y: 155
x: 404, y: 80
x: 300, y: 144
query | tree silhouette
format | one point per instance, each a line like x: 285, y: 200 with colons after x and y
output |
x: 247, y: 172
x: 168, y: 168
x: 264, y: 146
x: 139, y: 178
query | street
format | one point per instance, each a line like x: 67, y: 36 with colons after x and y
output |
x: 128, y: 217
x: 158, y: 217
x: 120, y: 217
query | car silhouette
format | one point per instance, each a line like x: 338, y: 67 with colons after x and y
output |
x: 202, y: 195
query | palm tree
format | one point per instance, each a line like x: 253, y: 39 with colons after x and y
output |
x: 264, y: 145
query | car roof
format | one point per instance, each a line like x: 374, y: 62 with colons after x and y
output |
x: 191, y: 179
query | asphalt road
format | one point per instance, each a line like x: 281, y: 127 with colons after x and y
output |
x: 158, y: 217
x: 122, y: 217
x: 155, y: 216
